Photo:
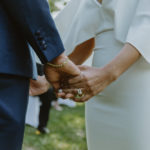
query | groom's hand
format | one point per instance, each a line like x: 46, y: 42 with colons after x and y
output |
x: 58, y: 76
x: 39, y: 86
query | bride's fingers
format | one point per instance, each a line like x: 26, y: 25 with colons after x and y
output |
x: 75, y: 91
x: 80, y: 84
x: 67, y: 93
x: 76, y: 79
x: 31, y: 92
x: 83, y: 99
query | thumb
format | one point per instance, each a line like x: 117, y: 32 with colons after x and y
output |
x: 71, y: 69
x: 56, y: 85
x: 82, y: 67
x: 30, y: 92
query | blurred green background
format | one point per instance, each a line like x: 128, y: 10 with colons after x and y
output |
x: 52, y: 5
x: 67, y: 128
x: 67, y: 132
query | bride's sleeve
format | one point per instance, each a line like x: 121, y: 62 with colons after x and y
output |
x: 76, y: 23
x: 139, y: 31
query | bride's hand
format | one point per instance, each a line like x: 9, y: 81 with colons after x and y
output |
x: 94, y: 80
x: 88, y: 84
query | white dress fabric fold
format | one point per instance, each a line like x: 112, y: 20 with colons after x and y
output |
x: 75, y: 24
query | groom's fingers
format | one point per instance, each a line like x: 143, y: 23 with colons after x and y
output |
x: 62, y: 95
x: 65, y: 95
x: 31, y: 92
x: 78, y: 85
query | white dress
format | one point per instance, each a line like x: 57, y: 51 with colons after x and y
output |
x: 119, y: 117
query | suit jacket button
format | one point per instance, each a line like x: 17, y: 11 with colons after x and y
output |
x: 38, y: 32
x: 44, y: 47
x: 40, y: 37
x: 43, y: 42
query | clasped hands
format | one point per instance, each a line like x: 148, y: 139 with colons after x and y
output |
x: 78, y: 83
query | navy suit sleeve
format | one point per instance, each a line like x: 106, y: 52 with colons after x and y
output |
x: 37, y: 26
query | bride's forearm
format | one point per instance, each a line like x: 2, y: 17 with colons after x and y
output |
x: 82, y: 52
x: 127, y: 57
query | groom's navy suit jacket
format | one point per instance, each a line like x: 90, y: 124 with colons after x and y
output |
x: 23, y: 22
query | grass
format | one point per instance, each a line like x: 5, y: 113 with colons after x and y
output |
x: 67, y: 132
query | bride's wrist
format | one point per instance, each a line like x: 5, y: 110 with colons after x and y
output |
x: 110, y: 72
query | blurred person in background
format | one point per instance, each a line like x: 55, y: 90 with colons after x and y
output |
x: 46, y: 98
